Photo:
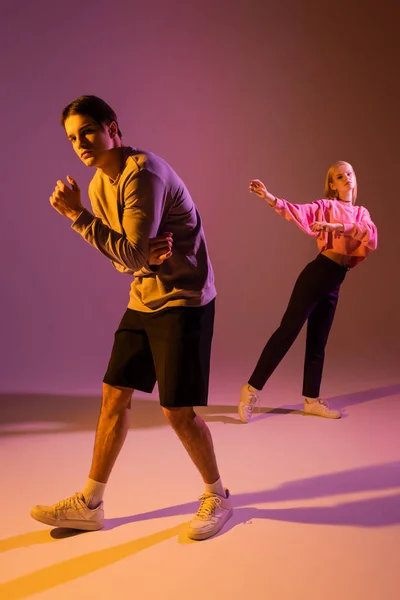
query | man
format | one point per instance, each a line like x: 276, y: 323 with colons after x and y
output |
x: 166, y: 331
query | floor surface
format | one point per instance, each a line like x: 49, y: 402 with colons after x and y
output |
x: 317, y: 501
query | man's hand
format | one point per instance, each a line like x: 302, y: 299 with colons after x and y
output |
x: 319, y: 226
x: 67, y: 200
x: 160, y: 248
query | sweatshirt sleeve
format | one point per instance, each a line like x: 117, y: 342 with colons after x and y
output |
x: 363, y: 230
x: 143, y: 204
x: 303, y: 215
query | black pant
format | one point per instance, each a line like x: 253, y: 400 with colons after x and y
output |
x: 314, y: 299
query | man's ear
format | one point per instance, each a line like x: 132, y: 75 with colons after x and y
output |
x: 113, y: 129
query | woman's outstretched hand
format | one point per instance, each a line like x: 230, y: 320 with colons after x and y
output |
x: 257, y: 187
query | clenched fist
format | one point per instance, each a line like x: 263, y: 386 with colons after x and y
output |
x: 67, y: 200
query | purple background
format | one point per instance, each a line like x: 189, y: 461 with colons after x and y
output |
x: 224, y: 92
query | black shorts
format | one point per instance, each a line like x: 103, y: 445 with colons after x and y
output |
x: 171, y: 346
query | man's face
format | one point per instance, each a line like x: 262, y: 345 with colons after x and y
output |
x: 90, y: 141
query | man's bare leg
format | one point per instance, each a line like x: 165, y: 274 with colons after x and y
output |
x: 215, y: 508
x: 196, y: 438
x: 112, y: 428
x: 85, y: 510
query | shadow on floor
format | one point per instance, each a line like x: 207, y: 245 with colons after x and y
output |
x: 40, y: 413
x: 373, y: 512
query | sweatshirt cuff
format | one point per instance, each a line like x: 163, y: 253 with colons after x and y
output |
x: 348, y: 228
x: 279, y: 203
x: 147, y: 270
x: 83, y: 221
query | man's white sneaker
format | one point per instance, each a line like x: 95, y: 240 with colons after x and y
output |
x: 247, y: 403
x: 72, y: 512
x: 320, y: 408
x: 214, y: 511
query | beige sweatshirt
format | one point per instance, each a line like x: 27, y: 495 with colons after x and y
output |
x: 147, y: 199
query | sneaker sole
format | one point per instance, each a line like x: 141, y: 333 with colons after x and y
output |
x: 69, y: 524
x: 310, y: 414
x: 204, y: 535
x: 242, y: 416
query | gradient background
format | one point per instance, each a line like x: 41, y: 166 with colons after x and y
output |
x: 225, y: 92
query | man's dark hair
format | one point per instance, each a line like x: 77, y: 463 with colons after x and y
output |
x: 93, y: 107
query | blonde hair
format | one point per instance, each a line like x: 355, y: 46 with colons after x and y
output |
x: 328, y: 191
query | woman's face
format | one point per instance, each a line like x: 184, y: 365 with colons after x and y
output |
x: 343, y: 181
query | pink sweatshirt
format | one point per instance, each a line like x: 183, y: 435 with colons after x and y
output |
x: 360, y: 234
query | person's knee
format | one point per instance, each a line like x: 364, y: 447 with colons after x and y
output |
x: 115, y: 399
x: 179, y: 418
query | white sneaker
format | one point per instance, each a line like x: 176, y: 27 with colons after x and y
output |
x: 247, y: 403
x: 320, y: 408
x: 214, y: 511
x: 72, y: 512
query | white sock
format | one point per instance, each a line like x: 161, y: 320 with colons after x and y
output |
x: 216, y: 488
x: 93, y: 492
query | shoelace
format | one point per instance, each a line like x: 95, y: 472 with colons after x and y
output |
x: 72, y: 501
x: 253, y: 399
x: 208, y: 506
x: 323, y: 402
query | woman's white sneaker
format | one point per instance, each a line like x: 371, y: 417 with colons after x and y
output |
x: 247, y: 403
x: 320, y: 408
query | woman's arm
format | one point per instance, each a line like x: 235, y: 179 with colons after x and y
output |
x: 303, y: 215
x: 363, y: 230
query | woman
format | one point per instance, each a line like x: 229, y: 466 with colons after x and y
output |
x: 345, y: 235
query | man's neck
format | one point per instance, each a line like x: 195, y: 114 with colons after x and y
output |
x: 114, y: 164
